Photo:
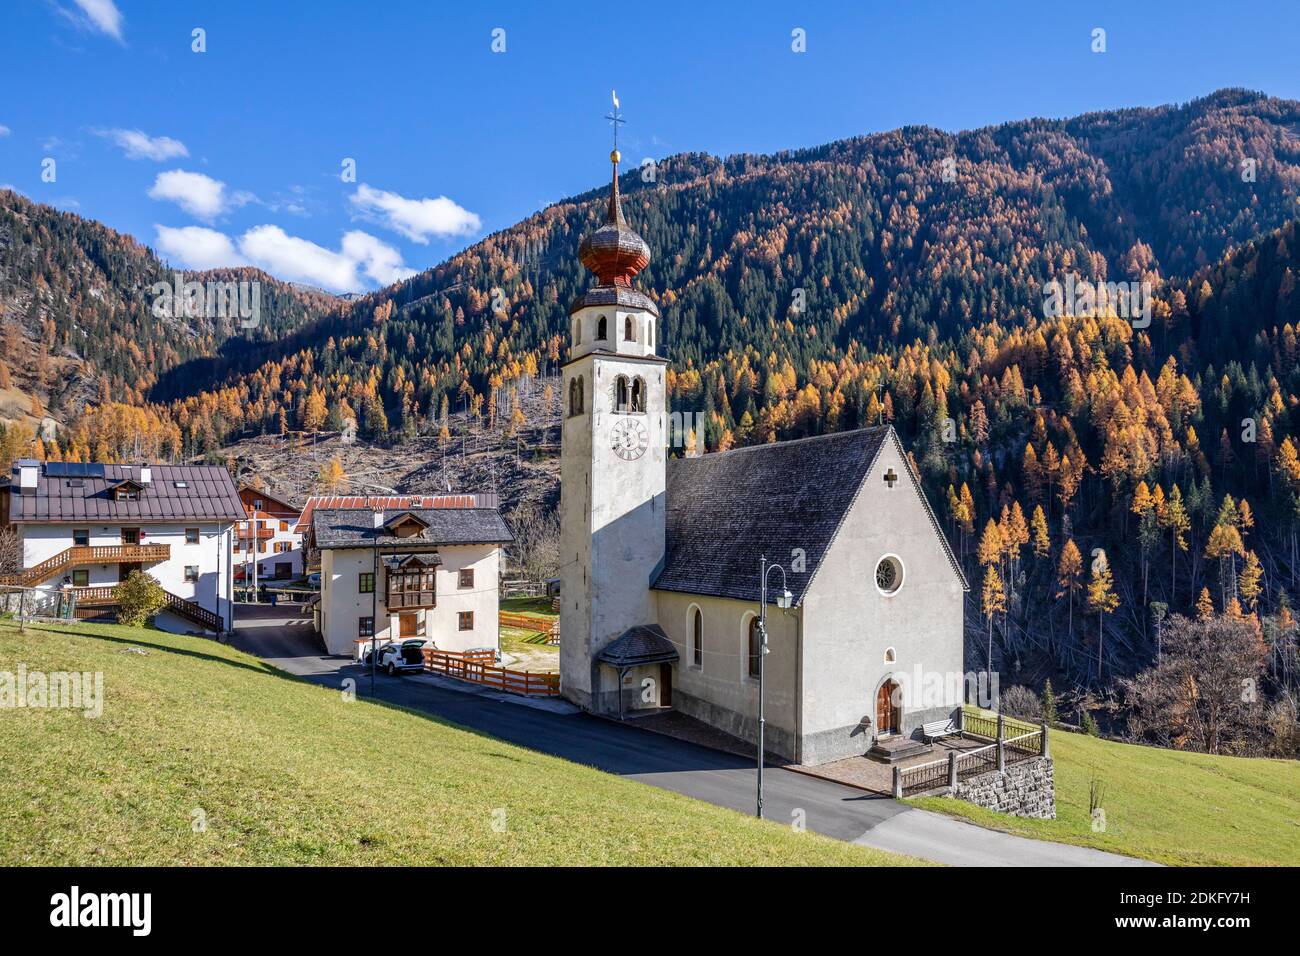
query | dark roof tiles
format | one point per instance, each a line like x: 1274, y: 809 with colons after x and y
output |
x: 354, y: 527
x: 207, y: 493
x: 728, y: 509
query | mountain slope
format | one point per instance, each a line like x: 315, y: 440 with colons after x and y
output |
x: 77, y: 301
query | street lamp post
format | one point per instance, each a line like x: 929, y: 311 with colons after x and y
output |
x: 783, y: 601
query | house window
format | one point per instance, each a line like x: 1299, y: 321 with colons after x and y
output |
x: 627, y: 330
x: 365, y: 627
x: 191, y: 535
x: 81, y: 536
x: 602, y: 328
x: 192, y: 573
x: 81, y: 578
x: 284, y: 526
x: 411, y: 589
x: 366, y: 582
x: 697, y: 639
x: 466, y: 578
x: 258, y: 504
x: 890, y: 656
x: 466, y: 620
x: 282, y: 546
x: 127, y: 494
x: 755, y: 647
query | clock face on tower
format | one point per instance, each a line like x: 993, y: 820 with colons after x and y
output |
x: 629, y: 438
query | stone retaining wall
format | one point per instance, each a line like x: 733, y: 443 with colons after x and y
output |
x: 1021, y: 790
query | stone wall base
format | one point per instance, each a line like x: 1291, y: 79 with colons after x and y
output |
x: 1021, y: 790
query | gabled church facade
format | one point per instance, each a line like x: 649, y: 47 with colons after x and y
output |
x: 660, y: 558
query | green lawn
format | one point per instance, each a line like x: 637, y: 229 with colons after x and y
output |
x: 529, y: 650
x: 528, y: 605
x: 290, y: 773
x: 1165, y: 805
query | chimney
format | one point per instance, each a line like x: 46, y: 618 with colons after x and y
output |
x: 29, y: 471
x: 146, y: 475
x: 379, y: 519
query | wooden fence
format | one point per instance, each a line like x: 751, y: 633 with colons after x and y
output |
x: 529, y: 622
x: 1027, y: 743
x: 478, y: 667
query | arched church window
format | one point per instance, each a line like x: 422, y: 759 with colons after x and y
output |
x: 627, y: 330
x: 577, y: 331
x: 697, y: 638
x: 575, y: 396
x: 638, y: 394
x: 601, y: 329
x: 650, y: 333
x: 622, y: 398
x: 755, y: 647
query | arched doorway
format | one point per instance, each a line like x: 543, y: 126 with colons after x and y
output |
x: 888, y: 716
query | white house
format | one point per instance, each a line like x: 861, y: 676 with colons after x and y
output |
x: 660, y: 559
x: 417, y: 572
x: 85, y: 527
x: 269, y: 537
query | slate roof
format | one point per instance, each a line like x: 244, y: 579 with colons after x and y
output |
x: 727, y: 509
x: 209, y: 495
x: 354, y: 528
x: 643, y: 644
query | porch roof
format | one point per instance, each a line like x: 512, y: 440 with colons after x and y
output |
x: 642, y: 644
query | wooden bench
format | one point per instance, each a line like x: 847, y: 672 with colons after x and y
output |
x: 937, y: 729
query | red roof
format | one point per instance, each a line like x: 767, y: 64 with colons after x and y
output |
x: 383, y: 503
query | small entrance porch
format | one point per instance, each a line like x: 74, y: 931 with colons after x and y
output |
x: 646, y: 655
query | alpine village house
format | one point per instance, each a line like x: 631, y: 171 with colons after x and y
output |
x: 660, y: 559
x: 393, y: 569
x: 83, y: 528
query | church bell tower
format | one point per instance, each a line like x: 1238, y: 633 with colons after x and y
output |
x: 612, y: 487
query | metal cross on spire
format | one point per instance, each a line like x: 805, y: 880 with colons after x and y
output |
x: 615, y: 117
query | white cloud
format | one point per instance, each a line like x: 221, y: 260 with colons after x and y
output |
x: 4, y: 130
x: 195, y: 247
x: 100, y: 15
x: 138, y: 145
x: 201, y: 196
x: 360, y: 256
x: 417, y: 219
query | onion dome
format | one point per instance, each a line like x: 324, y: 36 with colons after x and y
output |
x: 614, y: 252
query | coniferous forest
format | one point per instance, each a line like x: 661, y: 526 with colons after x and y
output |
x: 1101, y: 479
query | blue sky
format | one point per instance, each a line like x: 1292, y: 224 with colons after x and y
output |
x: 234, y: 154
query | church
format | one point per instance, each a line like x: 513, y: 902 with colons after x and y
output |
x: 660, y: 558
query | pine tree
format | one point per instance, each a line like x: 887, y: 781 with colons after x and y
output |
x: 1068, y: 569
x: 1251, y: 586
x: 993, y: 600
x: 1102, y: 600
x: 1042, y: 541
x: 1177, y: 522
x: 332, y: 476
x: 1204, y: 606
x: 1049, y: 703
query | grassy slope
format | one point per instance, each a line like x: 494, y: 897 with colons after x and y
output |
x: 290, y: 773
x: 1164, y: 805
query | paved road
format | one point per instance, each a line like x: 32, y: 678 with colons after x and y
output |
x: 722, y: 779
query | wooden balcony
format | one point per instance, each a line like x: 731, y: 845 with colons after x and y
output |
x: 410, y: 600
x: 80, y: 554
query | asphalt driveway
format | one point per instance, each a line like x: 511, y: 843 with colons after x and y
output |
x: 283, y: 636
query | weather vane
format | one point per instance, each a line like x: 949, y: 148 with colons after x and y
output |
x: 615, y: 118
